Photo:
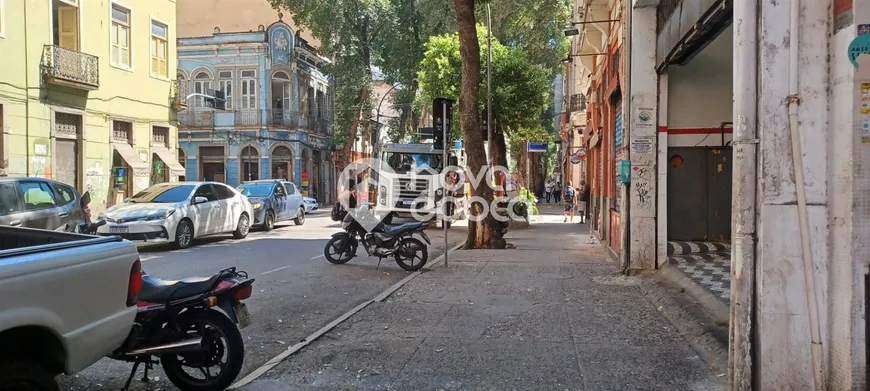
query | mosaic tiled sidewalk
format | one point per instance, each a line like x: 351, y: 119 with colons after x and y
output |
x: 706, y: 263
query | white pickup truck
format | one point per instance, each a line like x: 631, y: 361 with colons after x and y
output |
x: 65, y: 302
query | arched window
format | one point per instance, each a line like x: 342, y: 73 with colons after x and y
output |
x: 250, y: 159
x: 201, y: 85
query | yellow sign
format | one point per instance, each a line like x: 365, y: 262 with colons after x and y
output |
x: 865, y: 98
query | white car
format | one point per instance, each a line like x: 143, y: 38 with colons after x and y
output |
x: 179, y: 212
x: 310, y: 204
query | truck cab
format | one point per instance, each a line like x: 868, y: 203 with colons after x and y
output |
x: 409, y: 179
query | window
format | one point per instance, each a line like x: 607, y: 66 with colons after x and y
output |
x: 249, y: 90
x: 159, y: 49
x: 224, y: 192
x: 201, y: 83
x: 121, y: 37
x: 291, y: 188
x: 37, y: 195
x: 163, y: 194
x: 207, y: 192
x: 65, y: 194
x: 8, y: 198
x: 279, y: 191
x: 122, y: 131
x: 226, y: 85
x: 2, y: 26
x: 281, y: 91
x: 160, y: 136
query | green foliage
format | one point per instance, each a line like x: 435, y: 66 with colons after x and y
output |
x: 521, y: 90
x: 527, y: 203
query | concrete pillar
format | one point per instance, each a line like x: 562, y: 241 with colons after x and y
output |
x: 662, y: 177
x: 783, y: 352
x: 642, y: 140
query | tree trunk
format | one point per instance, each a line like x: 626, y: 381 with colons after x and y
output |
x: 480, y: 228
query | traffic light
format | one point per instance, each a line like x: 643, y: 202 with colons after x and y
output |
x: 217, y: 99
x: 442, y: 116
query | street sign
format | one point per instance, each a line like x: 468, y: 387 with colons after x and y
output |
x: 442, y: 115
x: 537, y: 147
x: 426, y: 133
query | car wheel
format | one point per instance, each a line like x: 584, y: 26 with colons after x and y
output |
x: 300, y: 217
x: 183, y: 234
x: 24, y: 375
x: 243, y: 227
x: 269, y: 222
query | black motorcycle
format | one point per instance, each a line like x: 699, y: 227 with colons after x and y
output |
x: 383, y: 241
x: 190, y: 327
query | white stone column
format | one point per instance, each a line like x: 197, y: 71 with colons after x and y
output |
x: 642, y: 139
x: 662, y: 177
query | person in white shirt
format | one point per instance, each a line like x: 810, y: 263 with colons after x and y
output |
x: 548, y: 189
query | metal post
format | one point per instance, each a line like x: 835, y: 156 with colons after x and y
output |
x: 444, y: 147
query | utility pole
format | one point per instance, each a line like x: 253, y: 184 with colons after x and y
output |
x: 489, y: 87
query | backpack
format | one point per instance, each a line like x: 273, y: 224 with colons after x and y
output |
x: 569, y: 194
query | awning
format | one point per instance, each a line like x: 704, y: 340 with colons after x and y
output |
x: 168, y: 159
x: 126, y: 151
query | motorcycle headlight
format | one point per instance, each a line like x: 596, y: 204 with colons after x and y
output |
x: 439, y: 192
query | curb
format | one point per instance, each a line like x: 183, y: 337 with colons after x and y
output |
x: 704, y: 332
x: 272, y: 363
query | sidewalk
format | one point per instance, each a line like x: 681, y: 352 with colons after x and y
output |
x: 553, y: 314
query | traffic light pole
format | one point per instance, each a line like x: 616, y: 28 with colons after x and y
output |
x: 446, y: 128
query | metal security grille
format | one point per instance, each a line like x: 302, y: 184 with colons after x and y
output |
x: 67, y: 124
x: 160, y: 135
x: 122, y: 131
x: 408, y: 191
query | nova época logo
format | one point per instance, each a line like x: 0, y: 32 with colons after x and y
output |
x: 422, y: 190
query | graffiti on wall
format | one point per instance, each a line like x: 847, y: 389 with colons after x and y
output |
x: 644, y: 195
x: 97, y: 184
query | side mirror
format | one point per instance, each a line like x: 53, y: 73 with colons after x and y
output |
x: 199, y: 200
x: 86, y: 199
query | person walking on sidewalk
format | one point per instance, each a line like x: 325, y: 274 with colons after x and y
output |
x: 570, y: 197
x: 557, y: 192
x: 583, y: 205
x: 548, y: 189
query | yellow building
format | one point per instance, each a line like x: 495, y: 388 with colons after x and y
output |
x: 87, y: 94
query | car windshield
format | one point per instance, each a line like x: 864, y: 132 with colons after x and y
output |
x: 256, y: 189
x: 163, y: 194
x: 403, y: 163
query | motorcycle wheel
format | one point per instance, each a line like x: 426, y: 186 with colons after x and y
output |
x: 406, y: 254
x: 344, y: 252
x: 221, y: 338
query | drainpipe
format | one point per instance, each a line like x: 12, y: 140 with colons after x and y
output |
x: 745, y: 143
x: 800, y: 189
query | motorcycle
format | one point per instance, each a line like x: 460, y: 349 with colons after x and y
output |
x: 192, y: 323
x: 383, y: 241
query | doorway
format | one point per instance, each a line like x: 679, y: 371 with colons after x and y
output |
x: 282, y: 163
x: 250, y: 160
x: 67, y: 131
x: 699, y: 193
x: 213, y: 164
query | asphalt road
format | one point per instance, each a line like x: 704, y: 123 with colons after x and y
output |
x: 296, y: 290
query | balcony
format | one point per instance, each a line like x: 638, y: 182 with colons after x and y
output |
x: 70, y: 68
x: 178, y: 95
x: 578, y: 103
x: 283, y: 118
x: 196, y: 118
x: 247, y: 117
x: 321, y: 125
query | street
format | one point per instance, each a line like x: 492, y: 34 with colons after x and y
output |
x: 296, y: 290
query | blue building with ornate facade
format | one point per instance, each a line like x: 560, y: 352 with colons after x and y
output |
x: 278, y: 115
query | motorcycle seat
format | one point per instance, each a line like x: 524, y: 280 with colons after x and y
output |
x: 401, y: 228
x: 158, y: 291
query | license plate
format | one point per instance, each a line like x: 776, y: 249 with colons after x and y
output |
x: 118, y: 230
x: 408, y: 202
x: 242, y: 315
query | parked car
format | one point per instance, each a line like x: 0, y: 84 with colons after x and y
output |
x: 41, y: 203
x: 310, y: 204
x: 179, y: 212
x: 274, y: 201
x: 68, y: 300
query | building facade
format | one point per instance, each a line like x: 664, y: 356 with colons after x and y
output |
x: 746, y: 124
x: 277, y: 118
x: 88, y: 99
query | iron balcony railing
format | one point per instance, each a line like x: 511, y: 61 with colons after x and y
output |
x: 200, y: 118
x: 321, y: 125
x: 71, y: 68
x: 178, y: 95
x: 247, y: 117
x: 283, y: 118
x: 578, y: 103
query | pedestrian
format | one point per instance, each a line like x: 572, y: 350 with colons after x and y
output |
x: 583, y: 205
x: 548, y: 189
x: 570, y: 196
x: 557, y: 192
